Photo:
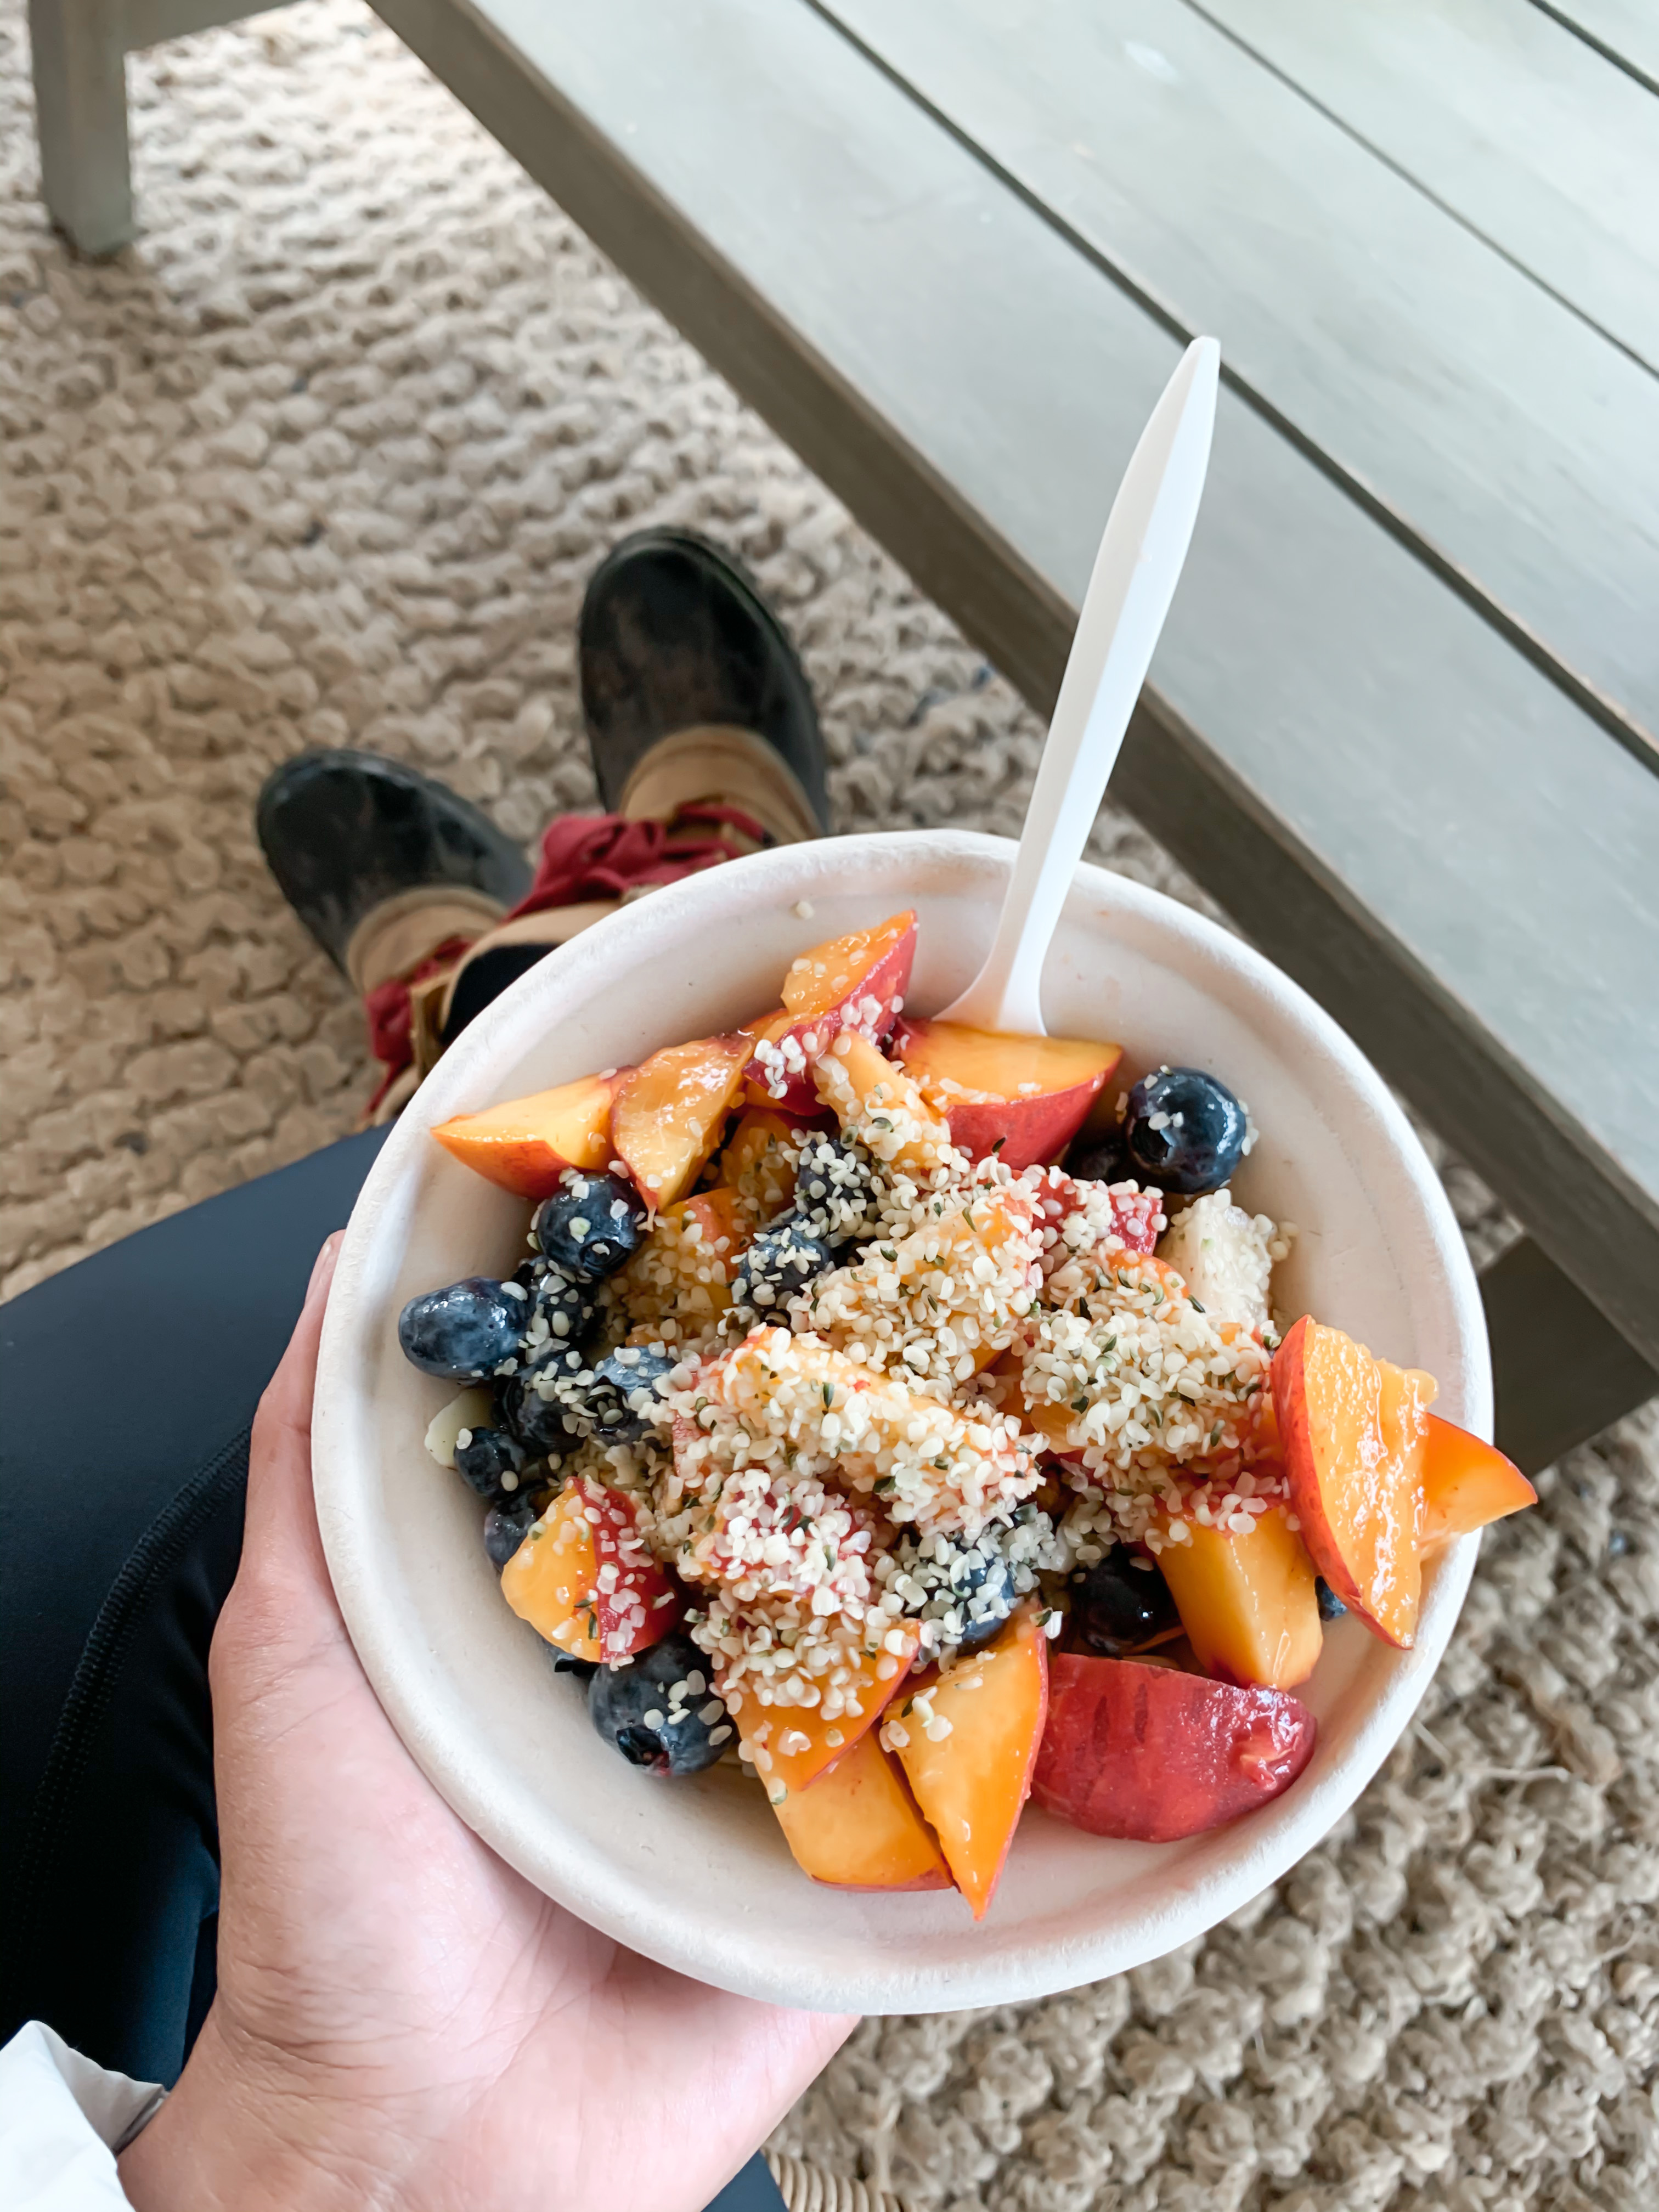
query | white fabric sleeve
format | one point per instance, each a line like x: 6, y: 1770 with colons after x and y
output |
x: 61, y: 2121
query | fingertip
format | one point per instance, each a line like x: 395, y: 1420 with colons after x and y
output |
x: 322, y: 1268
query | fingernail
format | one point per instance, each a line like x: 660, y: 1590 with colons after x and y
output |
x: 323, y: 1261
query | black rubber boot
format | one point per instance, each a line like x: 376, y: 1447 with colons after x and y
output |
x: 674, y: 635
x: 345, y: 831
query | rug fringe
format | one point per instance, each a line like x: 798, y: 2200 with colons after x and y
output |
x: 807, y: 2188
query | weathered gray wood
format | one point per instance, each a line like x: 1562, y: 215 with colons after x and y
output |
x: 80, y: 119
x: 1543, y: 1331
x: 1511, y: 437
x: 1626, y: 31
x: 1450, y: 855
x: 150, y: 22
x: 1511, y: 121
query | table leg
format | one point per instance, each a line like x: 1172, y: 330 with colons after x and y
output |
x: 1561, y: 1372
x: 81, y: 118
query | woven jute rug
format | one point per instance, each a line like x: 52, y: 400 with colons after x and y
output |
x: 327, y: 456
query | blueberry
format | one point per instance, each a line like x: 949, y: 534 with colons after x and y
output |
x: 565, y: 1662
x: 627, y: 1385
x: 546, y: 1419
x: 491, y: 1461
x: 1100, y: 1158
x: 560, y: 1313
x: 945, y: 1574
x: 466, y: 1331
x: 591, y: 1225
x: 1184, y: 1131
x: 780, y: 1262
x: 1331, y: 1606
x: 654, y: 1717
x: 504, y: 1527
x: 835, y: 1179
x: 1120, y: 1603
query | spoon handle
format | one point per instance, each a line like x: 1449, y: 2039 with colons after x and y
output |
x: 1135, y: 574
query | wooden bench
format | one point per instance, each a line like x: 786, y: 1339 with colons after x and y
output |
x: 1402, y: 725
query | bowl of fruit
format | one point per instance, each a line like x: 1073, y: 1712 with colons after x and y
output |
x: 880, y: 1515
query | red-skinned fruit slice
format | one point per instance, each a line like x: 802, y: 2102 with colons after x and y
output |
x: 1466, y: 1484
x: 857, y: 1826
x: 1353, y: 1430
x: 968, y: 1740
x: 526, y: 1144
x: 671, y: 1111
x: 1152, y: 1754
x: 584, y: 1580
x: 1022, y: 1097
x: 856, y: 982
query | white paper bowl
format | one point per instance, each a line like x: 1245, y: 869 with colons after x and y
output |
x: 695, y: 1872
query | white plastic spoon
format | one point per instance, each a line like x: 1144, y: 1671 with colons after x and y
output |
x: 1135, y: 574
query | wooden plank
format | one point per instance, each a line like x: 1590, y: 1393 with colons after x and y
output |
x: 1625, y: 30
x: 1388, y: 770
x: 80, y: 120
x: 150, y: 22
x: 1561, y: 1375
x: 1506, y: 435
x: 1513, y: 124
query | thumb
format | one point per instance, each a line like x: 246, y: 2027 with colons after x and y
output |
x: 284, y: 1575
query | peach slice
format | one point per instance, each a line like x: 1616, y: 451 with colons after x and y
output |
x: 1353, y: 1430
x: 1246, y: 1602
x: 880, y: 1104
x: 789, y: 1745
x: 584, y: 1580
x: 1022, y: 1097
x: 856, y: 982
x: 1146, y: 1753
x: 711, y: 1231
x: 526, y: 1144
x: 1466, y: 1484
x: 967, y: 1738
x: 759, y: 1157
x: 670, y: 1112
x: 857, y: 1826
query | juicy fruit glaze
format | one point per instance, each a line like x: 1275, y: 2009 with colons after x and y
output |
x: 887, y: 1414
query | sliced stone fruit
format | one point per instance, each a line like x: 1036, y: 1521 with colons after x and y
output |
x: 1466, y: 1484
x: 671, y: 1111
x: 967, y: 1738
x: 584, y: 1580
x: 788, y: 1746
x: 1148, y: 1754
x: 857, y: 1826
x: 1022, y: 1097
x: 1353, y: 1430
x: 526, y: 1144
x: 856, y: 982
x: 1247, y: 1601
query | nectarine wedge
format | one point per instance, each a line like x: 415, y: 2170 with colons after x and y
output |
x: 1023, y: 1097
x: 526, y: 1144
x: 789, y: 1745
x: 1466, y: 1484
x: 857, y: 1826
x: 1148, y: 1754
x: 670, y: 1112
x: 759, y: 1157
x: 584, y: 1580
x: 967, y: 1738
x: 1247, y: 1601
x: 856, y: 982
x: 1353, y: 1430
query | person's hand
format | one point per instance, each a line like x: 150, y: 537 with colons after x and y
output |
x: 401, y: 2020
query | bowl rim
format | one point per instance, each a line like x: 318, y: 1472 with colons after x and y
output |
x: 472, y: 1781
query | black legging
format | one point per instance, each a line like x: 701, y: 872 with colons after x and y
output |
x: 127, y: 1389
